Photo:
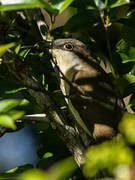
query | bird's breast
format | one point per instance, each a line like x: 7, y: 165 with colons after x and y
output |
x: 66, y: 60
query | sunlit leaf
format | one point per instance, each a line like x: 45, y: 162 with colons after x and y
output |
x: 126, y: 84
x: 4, y: 48
x: 47, y: 155
x: 7, y: 121
x: 127, y: 127
x: 119, y: 3
x: 62, y: 5
x: 122, y: 46
x: 26, y: 5
x: 15, y: 90
x: 61, y: 169
x: 130, y: 57
x: 7, y: 104
x: 12, y: 170
x: 15, y: 114
x: 107, y: 155
x: 33, y: 174
x: 100, y: 4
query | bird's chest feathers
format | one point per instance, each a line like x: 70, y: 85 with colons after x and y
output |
x: 67, y: 60
x: 69, y: 63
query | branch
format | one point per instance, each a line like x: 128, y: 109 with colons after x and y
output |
x: 3, y: 130
x: 53, y: 113
x: 34, y: 117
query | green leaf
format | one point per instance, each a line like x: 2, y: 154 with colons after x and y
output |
x: 4, y: 48
x: 108, y: 155
x: 15, y: 114
x: 126, y: 52
x: 126, y: 84
x: 128, y: 21
x: 15, y: 90
x: 130, y: 57
x: 7, y: 104
x: 27, y: 5
x: 60, y: 5
x: 19, y: 169
x: 127, y: 127
x: 33, y: 174
x: 78, y: 22
x: 122, y: 46
x: 100, y: 4
x: 47, y: 155
x: 118, y: 3
x: 62, y: 169
x: 128, y: 34
x: 7, y: 121
x: 126, y: 60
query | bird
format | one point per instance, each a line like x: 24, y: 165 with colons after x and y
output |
x: 90, y: 94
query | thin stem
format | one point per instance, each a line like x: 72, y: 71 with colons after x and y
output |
x: 106, y: 23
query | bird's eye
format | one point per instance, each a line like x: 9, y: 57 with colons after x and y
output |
x: 68, y: 46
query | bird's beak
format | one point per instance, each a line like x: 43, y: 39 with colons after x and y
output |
x: 43, y: 45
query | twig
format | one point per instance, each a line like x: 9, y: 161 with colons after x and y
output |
x: 39, y: 18
x: 34, y: 117
x: 106, y: 24
x: 3, y: 131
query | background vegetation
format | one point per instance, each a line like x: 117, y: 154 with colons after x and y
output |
x: 108, y: 29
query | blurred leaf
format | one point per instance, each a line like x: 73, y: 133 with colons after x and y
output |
x: 61, y: 169
x: 119, y: 3
x: 47, y: 155
x: 127, y: 127
x: 122, y: 46
x: 103, y: 4
x: 100, y: 4
x: 130, y: 57
x: 128, y: 34
x: 15, y: 114
x: 15, y: 90
x: 8, y: 116
x: 4, y: 48
x: 33, y: 174
x: 12, y: 170
x: 19, y: 169
x: 58, y: 171
x: 7, y: 121
x: 107, y: 155
x: 8, y: 86
x: 45, y: 159
x: 126, y: 52
x: 7, y: 104
x: 24, y: 53
x: 27, y: 5
x: 78, y: 22
x: 128, y: 21
x: 61, y: 5
x: 126, y: 84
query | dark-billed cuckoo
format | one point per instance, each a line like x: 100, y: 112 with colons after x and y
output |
x: 97, y: 107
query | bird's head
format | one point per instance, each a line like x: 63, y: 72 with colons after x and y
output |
x: 68, y: 53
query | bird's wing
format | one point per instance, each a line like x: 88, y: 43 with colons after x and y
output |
x: 100, y: 109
